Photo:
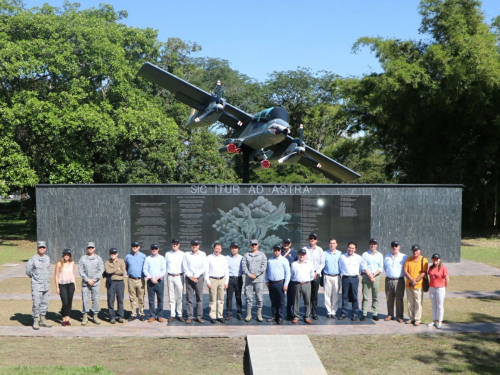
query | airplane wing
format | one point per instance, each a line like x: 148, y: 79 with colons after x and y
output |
x: 191, y: 95
x: 329, y: 167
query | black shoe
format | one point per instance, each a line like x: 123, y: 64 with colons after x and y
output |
x: 363, y: 318
x: 333, y: 316
x: 142, y: 318
x: 342, y: 317
x: 221, y: 320
x: 376, y: 318
x: 328, y: 316
x: 112, y: 321
x: 354, y: 318
x: 240, y: 317
x: 132, y: 318
x: 279, y: 321
x: 212, y: 321
x: 119, y: 319
x: 315, y: 317
x: 229, y: 317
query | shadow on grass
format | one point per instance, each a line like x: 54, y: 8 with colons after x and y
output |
x: 27, y: 319
x: 12, y: 225
x: 473, y: 353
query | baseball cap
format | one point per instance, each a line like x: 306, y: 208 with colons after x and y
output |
x: 394, y: 244
x: 195, y: 242
x: 113, y: 251
x: 175, y: 240
x: 415, y: 247
x: 234, y: 244
x: 287, y: 240
x: 436, y: 256
x: 66, y: 251
x: 135, y: 243
x: 277, y: 246
x: 254, y: 242
x: 41, y: 244
x: 374, y: 240
x: 90, y: 244
x: 313, y: 235
x: 154, y: 246
x: 302, y: 251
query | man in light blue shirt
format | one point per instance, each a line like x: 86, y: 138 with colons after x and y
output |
x: 331, y: 281
x: 134, y: 262
x: 372, y: 265
x: 394, y: 282
x: 235, y: 282
x: 154, y: 269
x: 277, y: 279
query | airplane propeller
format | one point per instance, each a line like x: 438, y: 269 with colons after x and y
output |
x: 299, y: 149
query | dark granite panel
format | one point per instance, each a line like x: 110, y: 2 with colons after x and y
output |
x: 70, y: 215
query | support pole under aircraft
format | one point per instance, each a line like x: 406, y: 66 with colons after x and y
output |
x: 246, y: 163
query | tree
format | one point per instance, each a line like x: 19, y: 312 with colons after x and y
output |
x: 434, y: 110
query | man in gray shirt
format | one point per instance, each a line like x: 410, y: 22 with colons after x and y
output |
x: 38, y: 269
x: 254, y: 268
x: 91, y: 268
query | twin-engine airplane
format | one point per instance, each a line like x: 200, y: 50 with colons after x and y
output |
x: 263, y: 138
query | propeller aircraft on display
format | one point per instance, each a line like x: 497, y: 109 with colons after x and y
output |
x: 263, y: 138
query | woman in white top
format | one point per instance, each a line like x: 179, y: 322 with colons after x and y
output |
x: 65, y: 284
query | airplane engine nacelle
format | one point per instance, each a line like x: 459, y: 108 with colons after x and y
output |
x: 264, y: 164
x: 205, y: 119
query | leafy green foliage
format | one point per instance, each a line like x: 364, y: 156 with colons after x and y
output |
x: 434, y: 110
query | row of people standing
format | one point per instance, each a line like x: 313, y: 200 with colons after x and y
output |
x: 300, y: 279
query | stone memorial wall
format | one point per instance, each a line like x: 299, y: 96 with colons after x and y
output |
x: 114, y: 215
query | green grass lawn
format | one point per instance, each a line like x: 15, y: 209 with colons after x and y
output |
x: 54, y: 370
x: 482, y: 250
x: 467, y: 353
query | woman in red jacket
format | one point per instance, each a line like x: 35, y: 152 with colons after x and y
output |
x: 438, y: 274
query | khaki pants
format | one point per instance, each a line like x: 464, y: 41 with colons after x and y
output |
x: 332, y: 288
x: 415, y: 298
x: 175, y: 289
x: 136, y: 290
x: 370, y: 288
x: 216, y: 298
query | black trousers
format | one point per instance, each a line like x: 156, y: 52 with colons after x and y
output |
x: 67, y: 291
x: 234, y: 287
x: 314, y: 296
x: 290, y: 300
x: 350, y: 293
x: 116, y: 290
x: 277, y: 296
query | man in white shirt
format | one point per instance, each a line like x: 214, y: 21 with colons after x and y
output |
x: 217, y: 282
x: 394, y: 264
x: 175, y: 280
x: 317, y: 258
x: 350, y: 266
x: 372, y: 265
x: 194, y: 266
x: 302, y: 273
x: 154, y: 269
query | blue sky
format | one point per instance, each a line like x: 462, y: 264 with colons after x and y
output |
x: 258, y: 37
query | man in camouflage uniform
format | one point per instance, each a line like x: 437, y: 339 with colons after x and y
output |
x: 91, y: 268
x: 254, y: 266
x: 38, y: 270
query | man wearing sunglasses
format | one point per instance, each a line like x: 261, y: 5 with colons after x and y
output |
x: 91, y: 268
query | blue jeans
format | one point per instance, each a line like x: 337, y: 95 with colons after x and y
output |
x: 157, y: 289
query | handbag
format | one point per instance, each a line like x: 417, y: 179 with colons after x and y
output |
x: 425, y: 280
